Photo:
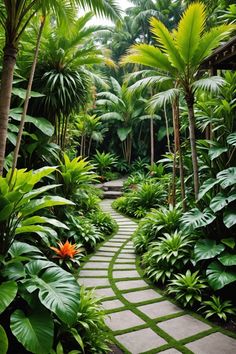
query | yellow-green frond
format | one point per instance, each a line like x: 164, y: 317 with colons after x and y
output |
x: 148, y: 55
x: 211, y: 40
x: 166, y: 40
x: 190, y: 29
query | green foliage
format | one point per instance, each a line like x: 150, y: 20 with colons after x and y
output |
x: 83, y: 231
x: 3, y: 341
x: 207, y: 249
x: 104, y: 163
x: 169, y: 254
x: 103, y: 222
x: 216, y: 307
x: 75, y: 176
x: 187, y: 288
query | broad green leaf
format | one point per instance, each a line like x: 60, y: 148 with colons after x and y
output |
x: 33, y: 331
x: 3, y: 341
x: 28, y: 229
x: 230, y: 242
x: 36, y: 192
x: 123, y: 133
x: 219, y: 276
x: 216, y: 151
x: 45, y: 202
x: 20, y: 92
x: 227, y: 177
x: 229, y: 219
x: 231, y: 139
x: 228, y: 259
x: 8, y: 291
x: 43, y: 220
x: 220, y: 201
x: 22, y: 248
x: 207, y: 249
x: 6, y: 211
x: 195, y: 218
x: 58, y: 289
x: 206, y: 186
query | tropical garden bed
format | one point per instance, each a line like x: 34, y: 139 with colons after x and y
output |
x: 81, y: 104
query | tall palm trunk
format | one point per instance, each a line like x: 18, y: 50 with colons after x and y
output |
x: 27, y: 97
x: 167, y: 129
x: 152, y: 140
x: 175, y: 109
x: 190, y: 103
x: 9, y: 61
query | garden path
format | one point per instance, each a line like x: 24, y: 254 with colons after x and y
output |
x: 140, y: 318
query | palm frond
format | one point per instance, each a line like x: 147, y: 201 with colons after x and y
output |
x: 148, y: 55
x: 190, y: 29
x: 111, y: 116
x: 167, y: 43
x: 148, y: 82
x: 102, y: 8
x: 162, y: 98
x: 212, y: 84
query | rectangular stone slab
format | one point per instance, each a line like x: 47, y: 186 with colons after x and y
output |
x: 130, y: 284
x: 159, y: 309
x: 96, y: 265
x: 141, y: 295
x: 216, y: 343
x: 125, y: 274
x: 123, y: 320
x: 93, y: 273
x: 93, y: 282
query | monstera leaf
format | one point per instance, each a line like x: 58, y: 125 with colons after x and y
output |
x: 33, y: 331
x: 219, y: 276
x: 227, y: 177
x: 231, y: 139
x: 196, y: 218
x: 206, y: 186
x: 57, y: 289
x: 229, y: 219
x: 3, y: 341
x: 207, y: 249
x: 8, y: 291
x: 228, y: 259
x: 216, y: 151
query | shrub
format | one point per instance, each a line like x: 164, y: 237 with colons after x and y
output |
x: 169, y: 254
x: 216, y: 307
x: 103, y: 222
x: 103, y: 163
x: 187, y: 288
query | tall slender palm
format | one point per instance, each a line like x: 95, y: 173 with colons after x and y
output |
x: 15, y: 15
x: 179, y: 55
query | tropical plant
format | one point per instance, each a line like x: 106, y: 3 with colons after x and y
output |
x: 20, y: 205
x: 68, y: 254
x: 187, y: 288
x: 104, y: 163
x: 169, y: 254
x: 177, y: 52
x: 103, y: 221
x: 216, y: 307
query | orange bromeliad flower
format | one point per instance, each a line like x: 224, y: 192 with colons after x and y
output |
x: 66, y: 250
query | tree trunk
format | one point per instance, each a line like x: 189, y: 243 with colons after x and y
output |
x: 191, y: 117
x: 167, y: 129
x: 175, y: 110
x: 27, y: 97
x: 9, y: 61
x: 152, y: 140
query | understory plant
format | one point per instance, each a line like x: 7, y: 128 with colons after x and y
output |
x: 218, y: 308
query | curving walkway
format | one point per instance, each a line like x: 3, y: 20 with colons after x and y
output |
x: 141, y: 320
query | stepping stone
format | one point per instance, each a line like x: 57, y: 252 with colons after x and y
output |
x: 96, y: 265
x: 100, y: 258
x: 118, y: 266
x: 106, y: 292
x: 106, y: 254
x: 127, y: 255
x: 216, y: 343
x: 113, y: 245
x: 183, y: 327
x: 127, y: 251
x: 170, y: 351
x: 125, y: 274
x: 126, y: 261
x: 131, y: 284
x: 123, y: 320
x: 140, y: 341
x: 159, y: 309
x: 112, y: 304
x: 141, y: 295
x: 93, y: 273
x: 93, y: 282
x: 108, y: 249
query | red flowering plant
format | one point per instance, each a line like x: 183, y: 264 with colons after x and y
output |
x: 69, y: 254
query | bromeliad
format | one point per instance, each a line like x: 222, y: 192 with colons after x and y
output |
x: 66, y: 250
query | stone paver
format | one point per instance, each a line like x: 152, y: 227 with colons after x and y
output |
x: 141, y: 340
x: 159, y: 309
x: 93, y: 273
x: 137, y: 291
x: 141, y: 295
x: 122, y: 320
x: 183, y: 327
x: 93, y: 282
x: 125, y: 274
x: 112, y: 304
x: 216, y: 343
x: 131, y: 284
x: 96, y: 265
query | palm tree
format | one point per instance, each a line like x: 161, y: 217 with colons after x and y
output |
x: 178, y: 56
x: 15, y: 15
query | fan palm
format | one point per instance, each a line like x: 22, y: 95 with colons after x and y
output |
x: 15, y: 15
x: 179, y: 56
